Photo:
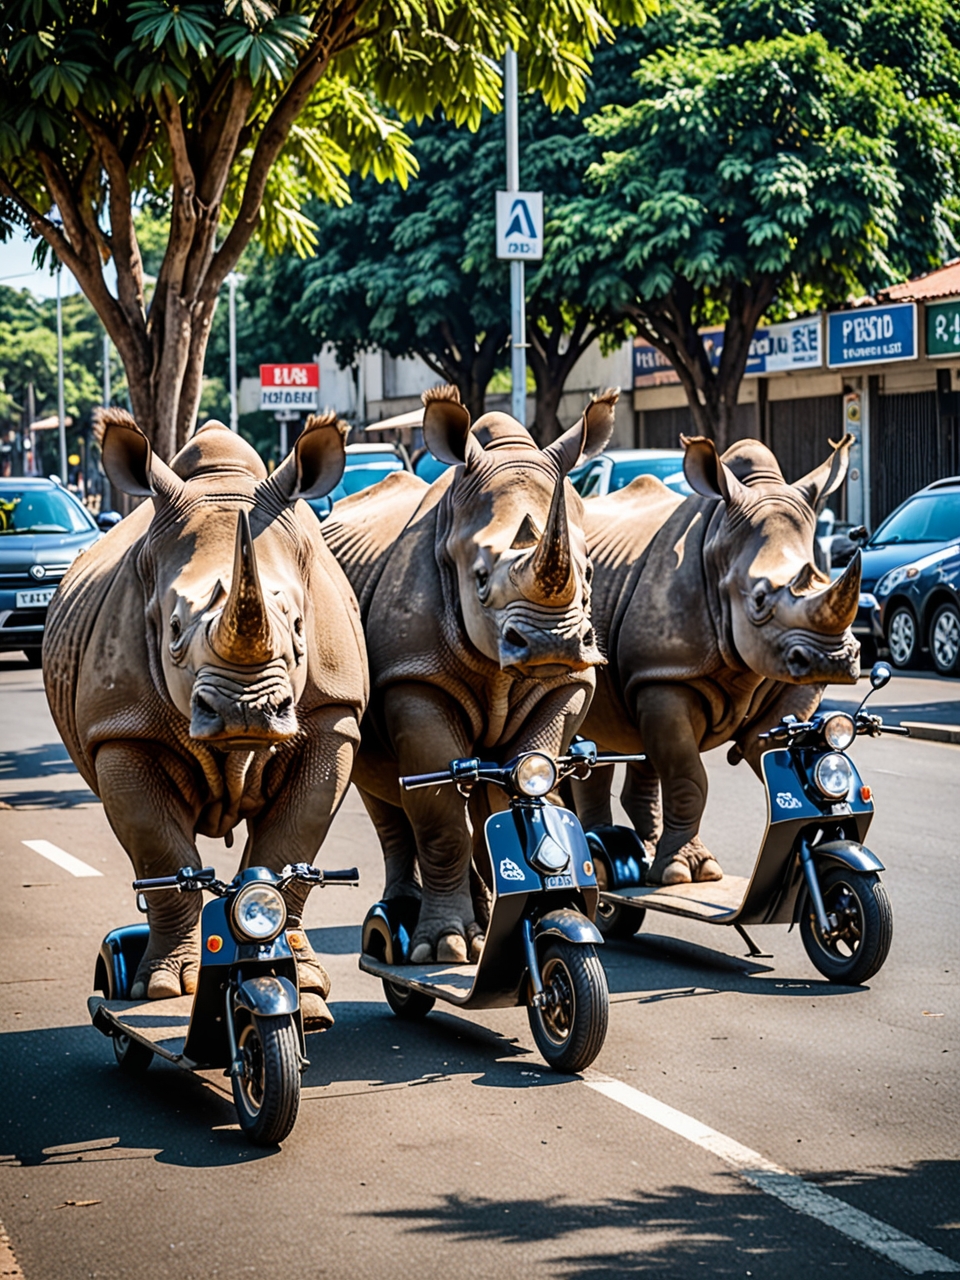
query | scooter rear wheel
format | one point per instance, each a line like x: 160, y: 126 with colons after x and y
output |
x: 132, y: 1056
x: 570, y: 1027
x: 267, y: 1094
x: 859, y: 901
x: 407, y: 1004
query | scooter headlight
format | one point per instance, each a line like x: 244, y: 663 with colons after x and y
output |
x: 259, y: 912
x: 839, y: 731
x: 536, y: 774
x: 833, y: 775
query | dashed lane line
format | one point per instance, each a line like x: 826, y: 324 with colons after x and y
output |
x: 60, y: 856
x: 911, y: 1255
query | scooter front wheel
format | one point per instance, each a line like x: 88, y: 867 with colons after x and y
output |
x: 405, y: 1003
x: 858, y: 948
x: 570, y: 1024
x: 267, y: 1091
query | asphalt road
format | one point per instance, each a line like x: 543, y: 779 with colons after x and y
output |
x: 446, y: 1148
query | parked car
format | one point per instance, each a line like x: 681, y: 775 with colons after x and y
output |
x: 366, y: 464
x: 42, y: 529
x: 918, y: 607
x: 614, y: 469
x: 922, y: 532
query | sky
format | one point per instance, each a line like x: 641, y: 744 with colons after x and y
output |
x: 17, y: 271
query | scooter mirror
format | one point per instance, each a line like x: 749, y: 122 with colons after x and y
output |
x: 142, y: 903
x: 583, y: 749
x: 880, y: 675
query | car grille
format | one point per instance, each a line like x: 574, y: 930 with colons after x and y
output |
x: 18, y: 581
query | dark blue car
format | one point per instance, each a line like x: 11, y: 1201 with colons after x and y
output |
x: 921, y: 535
x: 42, y: 529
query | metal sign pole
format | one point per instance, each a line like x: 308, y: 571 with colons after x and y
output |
x: 61, y: 413
x: 518, y: 319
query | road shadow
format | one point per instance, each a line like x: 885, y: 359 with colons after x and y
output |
x: 35, y: 762
x: 48, y: 760
x: 62, y: 1089
x: 44, y: 799
x: 337, y: 940
x: 681, y: 1231
x: 650, y: 962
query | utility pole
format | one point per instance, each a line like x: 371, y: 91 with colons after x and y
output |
x: 518, y: 318
x: 232, y: 279
x: 61, y: 414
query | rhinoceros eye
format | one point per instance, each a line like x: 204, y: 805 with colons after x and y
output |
x: 176, y: 628
x: 482, y: 577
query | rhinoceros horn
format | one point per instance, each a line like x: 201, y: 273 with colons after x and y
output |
x: 547, y: 576
x: 833, y: 610
x: 242, y: 634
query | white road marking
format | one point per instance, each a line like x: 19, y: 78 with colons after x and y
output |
x: 63, y: 859
x: 909, y: 1254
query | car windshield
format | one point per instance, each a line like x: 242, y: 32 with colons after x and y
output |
x: 930, y: 517
x: 363, y: 470
x: 669, y: 470
x: 41, y: 511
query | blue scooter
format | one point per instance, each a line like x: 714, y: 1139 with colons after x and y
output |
x: 812, y: 867
x: 245, y: 1014
x: 540, y: 947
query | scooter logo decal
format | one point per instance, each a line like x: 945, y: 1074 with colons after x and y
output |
x: 786, y: 800
x: 510, y: 871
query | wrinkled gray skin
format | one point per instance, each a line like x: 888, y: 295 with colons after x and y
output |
x: 205, y: 666
x: 475, y: 596
x: 716, y: 623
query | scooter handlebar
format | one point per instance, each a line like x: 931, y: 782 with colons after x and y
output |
x: 414, y: 780
x: 158, y: 882
x: 341, y: 877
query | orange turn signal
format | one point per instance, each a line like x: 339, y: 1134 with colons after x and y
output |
x: 588, y: 868
x: 866, y: 793
x: 214, y: 942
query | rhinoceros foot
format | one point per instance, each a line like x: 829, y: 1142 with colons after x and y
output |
x: 169, y: 968
x: 314, y: 983
x: 692, y: 862
x: 456, y: 940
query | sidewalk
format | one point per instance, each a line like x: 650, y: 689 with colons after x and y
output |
x: 925, y: 703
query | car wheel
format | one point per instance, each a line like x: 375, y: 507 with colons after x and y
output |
x: 902, y: 636
x: 945, y: 639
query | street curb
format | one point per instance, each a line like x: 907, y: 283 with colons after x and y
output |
x: 933, y: 732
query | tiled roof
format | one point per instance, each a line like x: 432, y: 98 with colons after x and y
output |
x: 942, y: 283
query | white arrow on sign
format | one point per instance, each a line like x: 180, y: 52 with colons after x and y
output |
x: 520, y: 225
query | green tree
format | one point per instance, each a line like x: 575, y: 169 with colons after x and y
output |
x: 776, y: 158
x: 415, y: 271
x: 232, y: 113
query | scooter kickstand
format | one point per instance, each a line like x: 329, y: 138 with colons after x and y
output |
x: 755, y: 952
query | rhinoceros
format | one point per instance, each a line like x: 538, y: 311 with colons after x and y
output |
x: 715, y: 622
x: 205, y: 665
x: 474, y: 594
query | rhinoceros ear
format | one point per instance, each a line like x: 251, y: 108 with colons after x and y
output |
x: 128, y: 459
x: 706, y: 474
x: 815, y: 487
x: 315, y: 464
x: 446, y: 427
x: 590, y: 435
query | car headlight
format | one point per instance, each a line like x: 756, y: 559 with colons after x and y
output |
x: 259, y: 912
x: 536, y: 774
x: 833, y: 775
x: 894, y: 578
x: 839, y: 731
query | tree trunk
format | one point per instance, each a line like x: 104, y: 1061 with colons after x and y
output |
x: 551, y: 366
x: 468, y: 363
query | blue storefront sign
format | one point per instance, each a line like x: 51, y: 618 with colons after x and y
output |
x: 872, y: 335
x: 780, y: 348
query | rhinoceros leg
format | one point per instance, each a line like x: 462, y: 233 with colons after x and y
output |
x: 426, y: 732
x: 304, y: 789
x: 142, y: 788
x: 641, y: 799
x: 399, y: 845
x: 672, y: 725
